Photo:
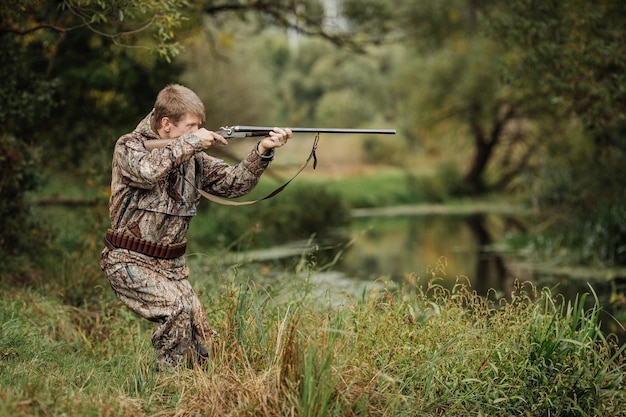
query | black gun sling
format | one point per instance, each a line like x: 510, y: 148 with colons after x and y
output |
x: 226, y: 202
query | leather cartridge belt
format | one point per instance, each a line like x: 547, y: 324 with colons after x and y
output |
x: 146, y: 247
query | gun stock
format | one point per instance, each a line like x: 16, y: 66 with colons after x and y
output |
x: 230, y: 132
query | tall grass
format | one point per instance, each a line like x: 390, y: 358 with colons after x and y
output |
x: 287, y: 350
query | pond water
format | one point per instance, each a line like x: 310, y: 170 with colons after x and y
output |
x: 397, y: 248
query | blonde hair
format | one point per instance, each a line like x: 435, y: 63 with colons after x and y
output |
x: 174, y: 102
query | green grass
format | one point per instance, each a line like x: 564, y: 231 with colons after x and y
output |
x: 381, y: 188
x: 286, y: 349
x: 68, y: 347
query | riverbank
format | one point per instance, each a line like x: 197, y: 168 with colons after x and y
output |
x: 453, y: 209
x: 284, y: 350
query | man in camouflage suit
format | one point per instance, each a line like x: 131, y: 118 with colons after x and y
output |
x: 154, y: 195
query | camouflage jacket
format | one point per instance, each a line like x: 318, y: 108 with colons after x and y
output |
x: 154, y: 194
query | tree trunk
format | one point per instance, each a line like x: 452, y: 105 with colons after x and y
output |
x: 484, y: 145
x: 483, y: 148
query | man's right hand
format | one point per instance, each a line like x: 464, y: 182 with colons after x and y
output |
x: 209, y: 138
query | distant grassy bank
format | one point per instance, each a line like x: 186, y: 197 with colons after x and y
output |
x: 286, y: 350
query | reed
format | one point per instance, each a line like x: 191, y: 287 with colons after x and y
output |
x: 286, y: 349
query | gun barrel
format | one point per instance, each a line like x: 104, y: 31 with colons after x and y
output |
x: 263, y: 130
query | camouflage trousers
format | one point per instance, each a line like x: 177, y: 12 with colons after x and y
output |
x: 161, y: 293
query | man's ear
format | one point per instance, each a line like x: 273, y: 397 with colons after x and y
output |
x: 166, y: 124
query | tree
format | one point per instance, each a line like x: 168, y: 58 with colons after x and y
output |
x: 459, y: 94
x: 456, y: 86
x: 572, y: 52
x: 570, y: 55
x: 305, y: 17
x: 65, y: 87
x: 75, y: 73
x: 122, y: 22
x: 494, y: 67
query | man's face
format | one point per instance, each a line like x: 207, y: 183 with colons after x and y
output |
x: 188, y: 124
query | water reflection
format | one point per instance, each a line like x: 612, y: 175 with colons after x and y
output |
x: 398, y: 246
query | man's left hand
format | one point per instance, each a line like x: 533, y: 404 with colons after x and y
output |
x: 277, y: 138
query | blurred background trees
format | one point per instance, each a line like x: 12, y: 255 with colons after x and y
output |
x: 69, y: 86
x: 525, y: 97
x: 537, y: 88
x: 570, y: 57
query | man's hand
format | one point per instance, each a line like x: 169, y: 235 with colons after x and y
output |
x: 277, y: 138
x: 209, y: 138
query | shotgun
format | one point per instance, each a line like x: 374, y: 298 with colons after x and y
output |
x: 229, y: 132
x: 251, y: 131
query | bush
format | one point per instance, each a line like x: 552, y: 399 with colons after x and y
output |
x: 22, y: 237
x: 602, y: 237
x: 448, y: 183
x: 586, y: 205
x: 381, y: 152
x: 299, y: 212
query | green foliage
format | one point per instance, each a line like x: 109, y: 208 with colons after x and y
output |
x: 456, y: 88
x: 597, y: 238
x: 454, y: 77
x: 343, y: 108
x: 578, y: 49
x: 22, y: 234
x: 588, y: 186
x: 26, y: 100
x: 298, y: 213
x: 384, y: 152
x: 69, y: 90
x: 423, y: 24
x: 310, y: 210
x: 557, y: 335
x: 380, y: 189
x: 606, y: 235
x: 235, y: 90
x: 318, y: 84
x: 26, y: 93
x: 119, y: 21
x: 110, y: 90
x: 149, y: 24
x: 77, y: 348
x: 448, y: 183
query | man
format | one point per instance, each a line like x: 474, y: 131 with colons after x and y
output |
x: 154, y: 195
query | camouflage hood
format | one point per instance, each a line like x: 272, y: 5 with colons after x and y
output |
x: 146, y: 127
